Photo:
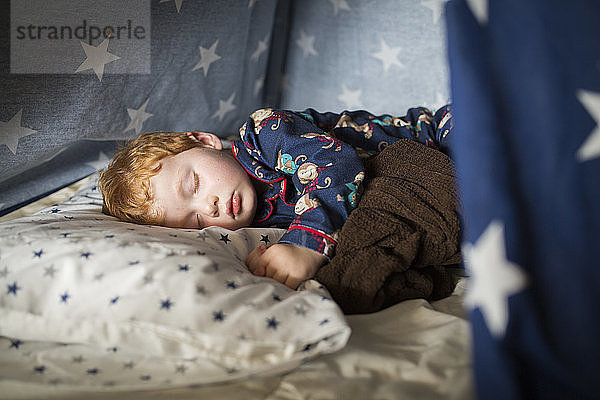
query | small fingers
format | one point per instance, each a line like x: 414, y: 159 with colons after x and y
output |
x: 255, y: 261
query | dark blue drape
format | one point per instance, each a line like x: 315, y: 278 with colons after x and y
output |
x: 525, y: 80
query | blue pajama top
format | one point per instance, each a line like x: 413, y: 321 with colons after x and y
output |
x: 312, y: 164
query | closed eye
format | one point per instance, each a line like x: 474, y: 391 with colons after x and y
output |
x: 196, y: 183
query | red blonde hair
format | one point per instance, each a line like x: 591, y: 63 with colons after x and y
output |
x: 125, y: 183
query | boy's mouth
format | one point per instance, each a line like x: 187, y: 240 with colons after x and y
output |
x: 233, y: 205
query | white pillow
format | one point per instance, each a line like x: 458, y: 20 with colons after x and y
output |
x: 137, y: 301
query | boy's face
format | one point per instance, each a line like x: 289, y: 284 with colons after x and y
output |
x: 204, y: 187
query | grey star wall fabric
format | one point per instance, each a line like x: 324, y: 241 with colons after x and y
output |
x: 77, y: 77
x: 196, y: 65
x: 382, y: 56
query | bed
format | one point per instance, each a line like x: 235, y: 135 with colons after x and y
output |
x: 523, y: 79
x: 97, y: 308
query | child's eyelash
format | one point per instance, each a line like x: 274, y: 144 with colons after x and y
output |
x: 199, y: 222
x: 196, y: 182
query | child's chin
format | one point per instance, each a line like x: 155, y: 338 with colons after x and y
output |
x: 240, y: 224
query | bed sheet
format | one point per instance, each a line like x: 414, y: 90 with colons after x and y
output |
x: 414, y: 350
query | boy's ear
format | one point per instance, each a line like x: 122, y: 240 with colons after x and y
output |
x: 207, y: 139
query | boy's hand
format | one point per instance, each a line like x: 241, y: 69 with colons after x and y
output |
x: 284, y: 262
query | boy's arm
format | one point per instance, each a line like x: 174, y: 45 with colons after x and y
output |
x: 326, y: 173
x: 373, y: 132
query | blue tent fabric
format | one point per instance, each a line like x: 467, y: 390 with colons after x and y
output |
x: 525, y: 81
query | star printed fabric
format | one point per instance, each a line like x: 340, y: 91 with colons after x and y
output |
x: 139, y: 305
x: 382, y: 56
x: 129, y: 67
x: 527, y: 154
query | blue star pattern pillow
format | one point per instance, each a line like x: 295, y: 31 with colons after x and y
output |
x: 87, y: 296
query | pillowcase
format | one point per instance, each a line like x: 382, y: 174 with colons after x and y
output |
x: 79, y: 286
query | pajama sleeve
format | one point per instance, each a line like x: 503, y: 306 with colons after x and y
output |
x: 326, y: 174
x: 372, y: 133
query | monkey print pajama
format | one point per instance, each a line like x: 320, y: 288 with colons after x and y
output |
x: 312, y: 164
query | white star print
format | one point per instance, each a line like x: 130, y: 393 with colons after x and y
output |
x: 177, y: 4
x: 97, y: 57
x: 388, y: 55
x: 493, y: 277
x: 307, y: 43
x: 263, y: 45
x: 339, y: 5
x: 436, y: 7
x: 101, y: 163
x: 591, y: 147
x: 351, y: 98
x: 225, y: 107
x: 12, y: 131
x: 207, y: 57
x: 138, y: 117
x: 479, y: 8
x: 258, y: 85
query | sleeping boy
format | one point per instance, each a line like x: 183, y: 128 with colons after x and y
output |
x: 301, y: 171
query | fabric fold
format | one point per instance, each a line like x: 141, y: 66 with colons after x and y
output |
x: 405, y: 233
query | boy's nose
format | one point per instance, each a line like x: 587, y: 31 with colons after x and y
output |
x: 212, y: 206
